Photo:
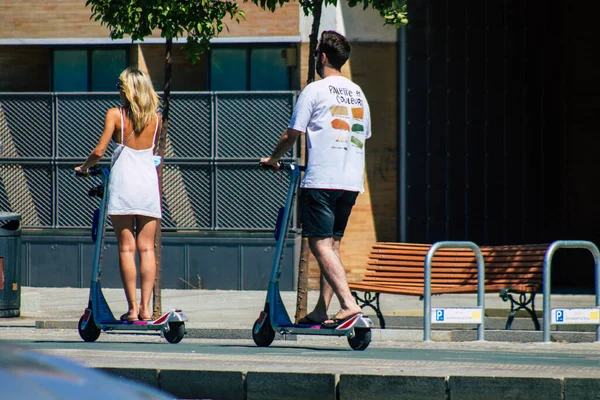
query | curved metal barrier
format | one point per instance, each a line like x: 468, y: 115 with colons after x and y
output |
x: 592, y: 316
x: 440, y: 313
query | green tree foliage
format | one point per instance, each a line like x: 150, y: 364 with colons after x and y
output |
x: 198, y: 20
x: 393, y: 12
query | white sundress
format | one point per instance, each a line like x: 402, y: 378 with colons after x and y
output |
x: 133, y: 183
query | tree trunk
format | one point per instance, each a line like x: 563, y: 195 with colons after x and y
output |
x: 162, y: 141
x: 302, y: 294
x: 313, y: 39
x: 303, y: 268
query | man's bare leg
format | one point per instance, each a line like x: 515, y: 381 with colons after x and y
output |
x: 319, y: 313
x: 333, y: 278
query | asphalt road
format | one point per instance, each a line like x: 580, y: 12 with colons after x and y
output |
x: 316, y: 354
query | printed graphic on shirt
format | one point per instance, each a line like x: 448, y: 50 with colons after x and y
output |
x: 339, y: 111
x: 347, y: 121
x: 357, y: 113
x: 357, y: 142
x: 340, y: 124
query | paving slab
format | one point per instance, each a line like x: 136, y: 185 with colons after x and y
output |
x: 217, y: 359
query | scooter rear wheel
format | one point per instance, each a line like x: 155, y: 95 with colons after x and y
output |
x: 361, y: 339
x: 91, y: 332
x: 265, y: 335
x: 175, y: 333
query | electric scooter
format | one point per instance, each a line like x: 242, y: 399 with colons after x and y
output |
x: 274, y: 317
x: 97, y: 316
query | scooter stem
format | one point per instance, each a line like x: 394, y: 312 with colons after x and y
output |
x: 101, y: 229
x: 275, y: 270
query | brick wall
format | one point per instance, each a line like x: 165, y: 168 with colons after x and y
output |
x: 185, y: 76
x: 71, y: 19
x: 24, y: 69
x: 48, y: 19
x: 373, y: 67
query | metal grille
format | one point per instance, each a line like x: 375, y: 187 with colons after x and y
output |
x: 75, y: 207
x: 80, y: 122
x: 190, y: 126
x: 248, y: 198
x: 249, y: 124
x: 26, y: 126
x: 44, y: 136
x: 187, y: 196
x: 27, y: 190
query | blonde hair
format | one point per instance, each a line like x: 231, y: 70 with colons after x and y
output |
x: 142, y: 99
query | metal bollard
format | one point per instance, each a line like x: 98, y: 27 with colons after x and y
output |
x: 427, y: 285
x: 567, y: 244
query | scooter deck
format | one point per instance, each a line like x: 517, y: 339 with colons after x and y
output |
x: 343, y: 329
x: 158, y: 324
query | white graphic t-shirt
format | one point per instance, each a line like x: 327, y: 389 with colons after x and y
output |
x: 334, y: 113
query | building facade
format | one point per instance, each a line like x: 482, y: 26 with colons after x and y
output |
x: 483, y: 114
x: 54, y: 47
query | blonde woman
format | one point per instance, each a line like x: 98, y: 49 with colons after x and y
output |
x: 134, y: 198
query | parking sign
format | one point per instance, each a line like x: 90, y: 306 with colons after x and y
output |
x: 575, y: 316
x: 456, y: 315
x: 439, y: 315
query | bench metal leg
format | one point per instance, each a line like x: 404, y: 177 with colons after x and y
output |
x: 368, y: 300
x: 525, y: 299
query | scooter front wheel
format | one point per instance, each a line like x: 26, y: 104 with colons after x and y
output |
x: 361, y: 339
x: 265, y: 335
x: 91, y: 332
x: 175, y: 333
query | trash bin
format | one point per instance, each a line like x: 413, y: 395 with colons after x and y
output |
x: 10, y: 265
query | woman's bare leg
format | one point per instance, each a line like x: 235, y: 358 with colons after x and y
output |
x: 123, y: 225
x: 146, y: 228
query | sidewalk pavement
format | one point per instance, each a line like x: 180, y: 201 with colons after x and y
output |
x: 231, y: 314
x: 398, y: 363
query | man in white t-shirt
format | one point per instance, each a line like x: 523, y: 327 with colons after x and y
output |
x: 334, y: 114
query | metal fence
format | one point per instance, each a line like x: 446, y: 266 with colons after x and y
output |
x: 210, y: 175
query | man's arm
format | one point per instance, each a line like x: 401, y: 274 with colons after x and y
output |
x: 286, y: 142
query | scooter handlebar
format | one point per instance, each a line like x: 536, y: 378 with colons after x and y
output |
x: 283, y: 166
x: 93, y: 171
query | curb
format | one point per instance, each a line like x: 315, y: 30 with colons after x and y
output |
x: 452, y: 334
x: 299, y: 386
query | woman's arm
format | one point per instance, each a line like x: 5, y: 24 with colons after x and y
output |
x: 110, y: 124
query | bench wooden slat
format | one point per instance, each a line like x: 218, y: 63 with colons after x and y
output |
x: 393, y: 245
x: 437, y: 276
x: 420, y: 270
x: 399, y: 268
x: 418, y: 290
x: 451, y: 258
x: 454, y: 264
x: 460, y: 252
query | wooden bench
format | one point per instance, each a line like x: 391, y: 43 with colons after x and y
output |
x: 398, y: 268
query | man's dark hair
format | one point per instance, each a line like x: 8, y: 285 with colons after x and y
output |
x: 336, y: 47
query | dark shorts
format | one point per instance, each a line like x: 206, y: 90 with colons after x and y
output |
x: 325, y: 212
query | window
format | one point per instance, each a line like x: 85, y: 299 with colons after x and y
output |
x: 87, y: 70
x: 70, y: 71
x: 246, y: 68
x: 268, y: 70
x: 228, y: 69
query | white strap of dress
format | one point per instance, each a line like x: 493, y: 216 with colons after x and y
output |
x: 122, y: 123
x: 155, y: 130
